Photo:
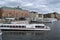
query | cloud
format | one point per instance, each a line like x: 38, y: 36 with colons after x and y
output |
x: 40, y: 6
x: 46, y: 6
x: 43, y: 6
x: 1, y: 2
x: 29, y: 4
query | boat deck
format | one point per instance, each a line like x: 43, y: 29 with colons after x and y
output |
x: 6, y: 28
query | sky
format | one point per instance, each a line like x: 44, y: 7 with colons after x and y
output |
x: 42, y: 6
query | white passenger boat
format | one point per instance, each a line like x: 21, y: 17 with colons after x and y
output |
x: 24, y: 27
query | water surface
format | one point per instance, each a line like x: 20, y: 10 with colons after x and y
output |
x: 53, y: 34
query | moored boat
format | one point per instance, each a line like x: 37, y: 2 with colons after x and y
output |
x: 0, y: 32
x: 24, y: 27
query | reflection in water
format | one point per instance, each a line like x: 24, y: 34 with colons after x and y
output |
x: 24, y: 35
x: 0, y: 37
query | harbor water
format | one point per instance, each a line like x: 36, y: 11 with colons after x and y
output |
x: 53, y: 34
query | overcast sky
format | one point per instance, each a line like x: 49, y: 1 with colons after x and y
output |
x: 43, y: 6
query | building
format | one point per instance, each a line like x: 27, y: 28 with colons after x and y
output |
x: 52, y: 15
x: 58, y: 16
x: 7, y: 12
x: 33, y: 15
x: 40, y: 15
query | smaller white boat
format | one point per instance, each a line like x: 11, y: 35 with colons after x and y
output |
x: 46, y: 20
x: 0, y: 32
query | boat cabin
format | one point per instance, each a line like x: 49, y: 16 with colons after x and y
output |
x: 23, y: 25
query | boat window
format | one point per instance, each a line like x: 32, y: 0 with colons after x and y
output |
x: 4, y: 26
x: 19, y: 26
x: 7, y: 26
x: 23, y: 26
x: 11, y: 26
x: 39, y: 26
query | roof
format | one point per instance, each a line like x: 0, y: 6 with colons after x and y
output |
x: 33, y: 12
x: 24, y: 24
x: 15, y: 8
